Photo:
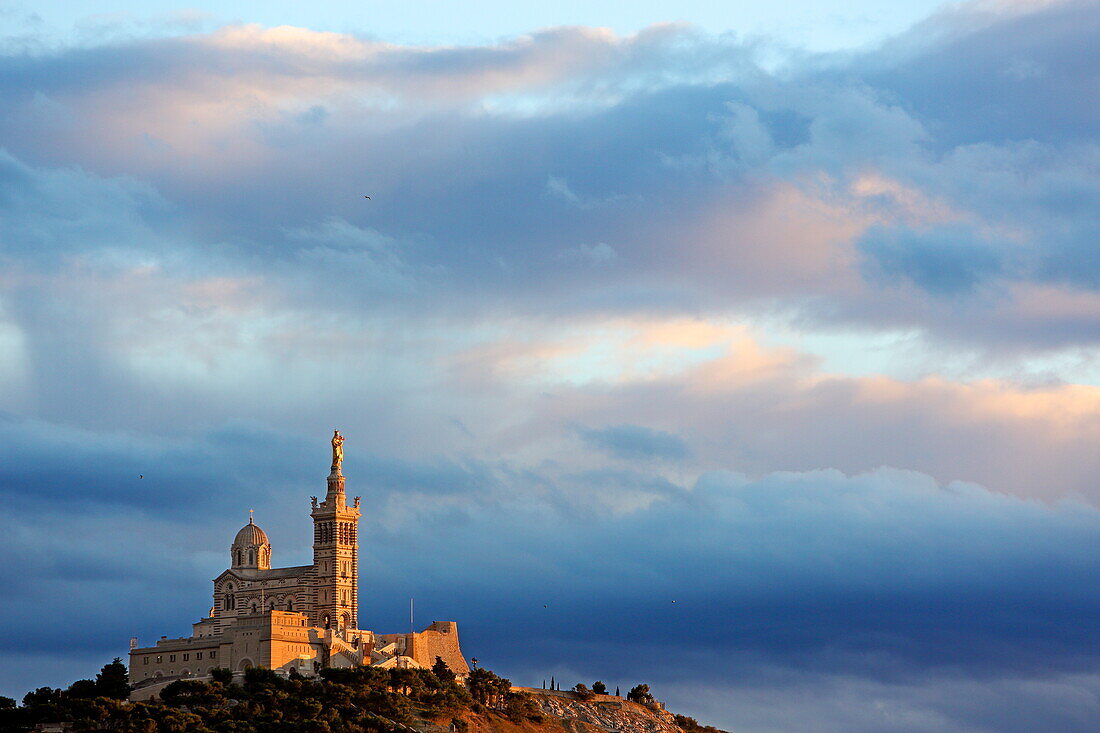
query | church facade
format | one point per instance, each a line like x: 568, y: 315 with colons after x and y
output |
x: 303, y: 618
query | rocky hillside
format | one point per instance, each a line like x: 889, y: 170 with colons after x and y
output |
x: 601, y: 713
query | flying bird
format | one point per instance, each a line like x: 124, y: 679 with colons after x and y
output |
x: 141, y: 475
x: 366, y: 197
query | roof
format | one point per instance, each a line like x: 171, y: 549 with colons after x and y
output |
x: 251, y: 534
x: 273, y: 573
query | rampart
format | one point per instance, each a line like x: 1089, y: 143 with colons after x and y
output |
x: 438, y: 640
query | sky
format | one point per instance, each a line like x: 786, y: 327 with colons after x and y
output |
x: 789, y: 315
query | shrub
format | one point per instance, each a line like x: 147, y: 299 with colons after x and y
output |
x: 582, y: 690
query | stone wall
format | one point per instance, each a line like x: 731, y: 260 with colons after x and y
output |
x: 176, y: 658
x: 438, y: 640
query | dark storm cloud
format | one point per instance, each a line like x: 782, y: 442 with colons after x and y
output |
x: 46, y: 467
x: 885, y: 575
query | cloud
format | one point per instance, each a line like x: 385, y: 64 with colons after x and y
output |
x: 944, y: 261
x: 636, y: 441
x: 596, y: 255
x: 719, y: 185
x: 813, y: 580
x: 577, y: 333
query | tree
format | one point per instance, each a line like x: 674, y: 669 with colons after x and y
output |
x: 640, y: 693
x: 582, y: 691
x: 519, y: 706
x: 186, y: 692
x: 487, y: 688
x: 442, y: 672
x: 599, y: 688
x: 42, y: 696
x: 222, y: 675
x: 113, y: 681
x: 82, y: 689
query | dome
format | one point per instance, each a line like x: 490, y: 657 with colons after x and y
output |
x: 250, y: 534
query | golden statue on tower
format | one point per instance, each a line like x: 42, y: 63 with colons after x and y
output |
x: 337, y: 451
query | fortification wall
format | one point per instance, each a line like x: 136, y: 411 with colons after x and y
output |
x: 438, y: 640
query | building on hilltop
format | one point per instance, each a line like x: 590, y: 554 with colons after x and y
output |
x: 302, y: 618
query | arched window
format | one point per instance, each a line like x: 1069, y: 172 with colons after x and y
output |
x: 229, y: 603
x: 290, y: 604
x: 253, y: 606
x: 251, y: 557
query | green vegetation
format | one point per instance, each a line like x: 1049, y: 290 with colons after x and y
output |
x: 640, y: 694
x: 582, y: 691
x: 355, y: 700
x: 341, y: 701
x: 691, y: 725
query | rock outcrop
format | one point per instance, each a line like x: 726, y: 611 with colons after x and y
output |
x: 603, y: 712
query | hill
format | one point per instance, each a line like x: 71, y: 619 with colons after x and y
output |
x: 363, y: 699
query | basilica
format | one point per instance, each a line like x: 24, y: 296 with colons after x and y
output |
x: 303, y: 618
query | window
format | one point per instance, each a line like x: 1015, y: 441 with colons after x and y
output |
x: 198, y: 655
x: 147, y: 660
x: 171, y: 657
x: 159, y: 657
x: 240, y: 557
x: 213, y: 654
x: 289, y: 604
x: 251, y: 557
x: 186, y: 657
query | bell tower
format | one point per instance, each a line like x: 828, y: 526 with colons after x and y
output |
x: 336, y: 550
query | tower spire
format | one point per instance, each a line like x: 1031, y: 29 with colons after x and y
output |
x: 335, y: 549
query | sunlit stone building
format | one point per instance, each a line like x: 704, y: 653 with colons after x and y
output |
x: 303, y: 618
